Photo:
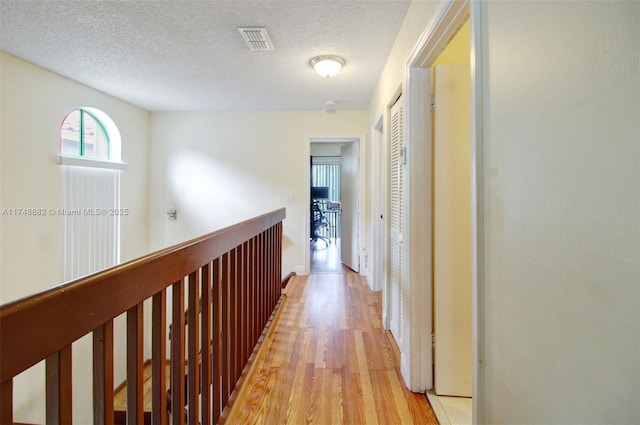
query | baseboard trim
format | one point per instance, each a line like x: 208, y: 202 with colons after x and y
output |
x: 286, y: 279
x: 437, y: 408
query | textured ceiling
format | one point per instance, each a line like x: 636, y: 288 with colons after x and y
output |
x: 167, y: 55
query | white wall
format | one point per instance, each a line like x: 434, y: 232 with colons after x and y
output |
x: 326, y: 149
x: 33, y: 103
x: 224, y: 167
x: 561, y: 212
x: 415, y: 23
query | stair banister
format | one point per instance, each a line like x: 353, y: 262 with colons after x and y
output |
x: 43, y: 326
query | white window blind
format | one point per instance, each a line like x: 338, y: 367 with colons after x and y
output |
x: 326, y: 172
x: 91, y: 220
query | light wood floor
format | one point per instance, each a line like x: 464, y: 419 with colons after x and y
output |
x: 328, y: 360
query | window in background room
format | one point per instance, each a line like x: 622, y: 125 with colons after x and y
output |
x: 325, y: 171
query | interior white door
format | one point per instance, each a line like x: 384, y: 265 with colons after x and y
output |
x: 452, y: 230
x: 396, y: 205
x: 349, y: 190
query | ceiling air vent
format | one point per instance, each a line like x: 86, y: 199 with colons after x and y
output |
x: 257, y: 39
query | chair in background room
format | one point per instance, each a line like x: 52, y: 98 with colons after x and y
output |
x: 318, y: 223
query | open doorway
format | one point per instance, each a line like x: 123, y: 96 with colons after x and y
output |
x: 451, y: 220
x: 334, y: 216
x: 326, y: 207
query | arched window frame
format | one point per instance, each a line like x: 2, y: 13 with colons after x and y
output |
x: 111, y: 134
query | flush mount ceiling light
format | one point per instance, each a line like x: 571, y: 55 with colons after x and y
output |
x: 327, y: 65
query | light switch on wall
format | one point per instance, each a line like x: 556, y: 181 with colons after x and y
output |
x: 288, y: 198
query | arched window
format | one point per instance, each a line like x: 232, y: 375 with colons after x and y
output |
x: 90, y: 134
x: 82, y: 134
x: 89, y: 156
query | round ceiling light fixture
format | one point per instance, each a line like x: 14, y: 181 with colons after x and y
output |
x: 327, y: 65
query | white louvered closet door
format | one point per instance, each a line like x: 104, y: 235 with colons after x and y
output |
x: 396, y: 212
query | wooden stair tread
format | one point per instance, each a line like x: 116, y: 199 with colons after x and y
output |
x: 120, y: 397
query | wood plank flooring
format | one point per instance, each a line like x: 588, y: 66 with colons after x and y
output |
x: 327, y: 360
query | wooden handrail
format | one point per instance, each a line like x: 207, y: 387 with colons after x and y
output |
x: 46, y: 324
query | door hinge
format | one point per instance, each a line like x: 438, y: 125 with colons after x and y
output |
x: 403, y: 155
x: 433, y: 340
x: 433, y: 102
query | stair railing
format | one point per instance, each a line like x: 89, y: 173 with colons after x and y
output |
x: 233, y: 281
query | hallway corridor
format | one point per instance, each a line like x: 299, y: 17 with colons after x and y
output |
x: 327, y: 359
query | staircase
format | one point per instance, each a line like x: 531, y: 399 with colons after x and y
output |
x: 230, y: 283
x: 120, y: 396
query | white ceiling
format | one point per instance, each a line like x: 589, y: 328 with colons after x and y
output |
x: 169, y: 55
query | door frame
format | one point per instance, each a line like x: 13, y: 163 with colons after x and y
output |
x: 377, y: 276
x: 334, y: 138
x: 418, y: 369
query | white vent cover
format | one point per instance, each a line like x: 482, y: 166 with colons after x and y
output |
x: 257, y: 39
